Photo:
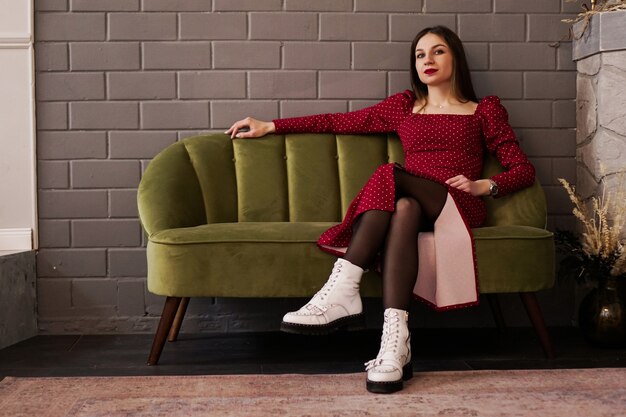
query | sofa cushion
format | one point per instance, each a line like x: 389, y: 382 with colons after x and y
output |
x: 514, y: 258
x: 282, y: 260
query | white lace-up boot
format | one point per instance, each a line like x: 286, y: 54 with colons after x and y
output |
x: 337, y: 304
x: 393, y: 362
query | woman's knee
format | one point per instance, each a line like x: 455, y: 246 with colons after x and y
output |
x: 408, y: 206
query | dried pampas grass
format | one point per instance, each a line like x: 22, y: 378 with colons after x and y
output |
x: 602, y: 223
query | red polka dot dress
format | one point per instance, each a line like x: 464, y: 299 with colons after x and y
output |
x: 436, y: 147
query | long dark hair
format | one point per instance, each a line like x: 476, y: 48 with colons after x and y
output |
x: 461, y: 82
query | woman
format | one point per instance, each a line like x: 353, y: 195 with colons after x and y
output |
x: 443, y: 129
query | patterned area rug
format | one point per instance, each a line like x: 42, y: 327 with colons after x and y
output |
x: 569, y: 393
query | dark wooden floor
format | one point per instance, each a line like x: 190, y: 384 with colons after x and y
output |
x: 194, y: 354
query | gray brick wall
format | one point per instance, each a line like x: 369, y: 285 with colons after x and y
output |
x: 119, y: 80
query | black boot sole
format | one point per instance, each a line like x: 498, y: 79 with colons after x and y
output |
x: 391, y: 386
x: 350, y: 323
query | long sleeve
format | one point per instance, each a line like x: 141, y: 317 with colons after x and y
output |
x: 501, y: 141
x: 382, y: 117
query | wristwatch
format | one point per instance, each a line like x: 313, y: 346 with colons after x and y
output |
x: 493, y: 188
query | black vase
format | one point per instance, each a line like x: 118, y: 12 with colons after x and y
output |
x: 602, y: 313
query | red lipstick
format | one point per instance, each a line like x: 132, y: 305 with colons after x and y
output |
x: 430, y: 71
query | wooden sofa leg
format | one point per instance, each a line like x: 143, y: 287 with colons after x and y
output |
x: 167, y: 318
x: 494, y: 304
x: 178, y: 320
x: 534, y: 313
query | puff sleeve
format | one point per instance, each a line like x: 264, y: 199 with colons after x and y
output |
x: 501, y: 141
x: 382, y: 117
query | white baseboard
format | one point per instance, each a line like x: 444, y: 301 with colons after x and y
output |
x: 16, y: 239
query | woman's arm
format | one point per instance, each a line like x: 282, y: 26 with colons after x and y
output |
x: 501, y: 141
x: 380, y: 118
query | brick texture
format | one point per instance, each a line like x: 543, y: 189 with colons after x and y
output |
x: 142, y: 26
x: 105, y: 174
x: 105, y: 233
x: 279, y: 84
x: 246, y: 5
x: 127, y: 262
x: 505, y: 84
x: 414, y: 6
x: 71, y: 204
x: 53, y: 174
x: 176, y: 55
x: 71, y: 263
x: 69, y: 27
x: 123, y: 203
x: 141, y: 85
x: 104, y: 56
x: 457, y: 6
x: 138, y: 145
x: 212, y: 84
x: 522, y: 56
x: 319, y: 5
x: 358, y: 84
x: 51, y: 5
x: 398, y: 81
x: 94, y: 292
x: 492, y: 27
x: 54, y: 233
x: 104, y: 6
x: 380, y: 56
x: 548, y: 27
x: 528, y: 6
x: 213, y: 26
x: 179, y: 115
x: 176, y: 5
x: 104, y: 115
x: 52, y: 57
x: 130, y: 299
x: 288, y: 26
x: 355, y: 27
x: 316, y: 55
x: 238, y: 55
x: 550, y: 85
x: 404, y: 27
x: 71, y: 145
x: 70, y: 86
x: 117, y: 81
x: 51, y: 115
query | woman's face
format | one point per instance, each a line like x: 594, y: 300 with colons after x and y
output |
x: 433, y: 60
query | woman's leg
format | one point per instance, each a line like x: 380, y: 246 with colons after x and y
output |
x: 419, y: 205
x: 400, y: 254
x: 368, y: 236
x: 370, y: 231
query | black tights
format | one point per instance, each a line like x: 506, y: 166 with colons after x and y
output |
x: 418, y: 204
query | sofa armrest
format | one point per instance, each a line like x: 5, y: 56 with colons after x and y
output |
x: 169, y: 194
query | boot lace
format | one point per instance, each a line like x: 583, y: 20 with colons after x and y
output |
x: 322, y: 294
x: 389, y: 341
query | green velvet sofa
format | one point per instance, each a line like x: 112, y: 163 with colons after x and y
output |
x: 240, y: 218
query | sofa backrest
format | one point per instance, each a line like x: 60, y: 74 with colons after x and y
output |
x: 295, y: 177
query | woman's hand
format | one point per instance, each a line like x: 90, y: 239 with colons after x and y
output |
x: 475, y: 188
x: 255, y: 128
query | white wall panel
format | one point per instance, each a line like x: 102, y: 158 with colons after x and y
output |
x: 15, y: 19
x: 17, y: 125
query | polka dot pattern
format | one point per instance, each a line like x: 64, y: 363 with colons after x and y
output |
x: 436, y: 147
